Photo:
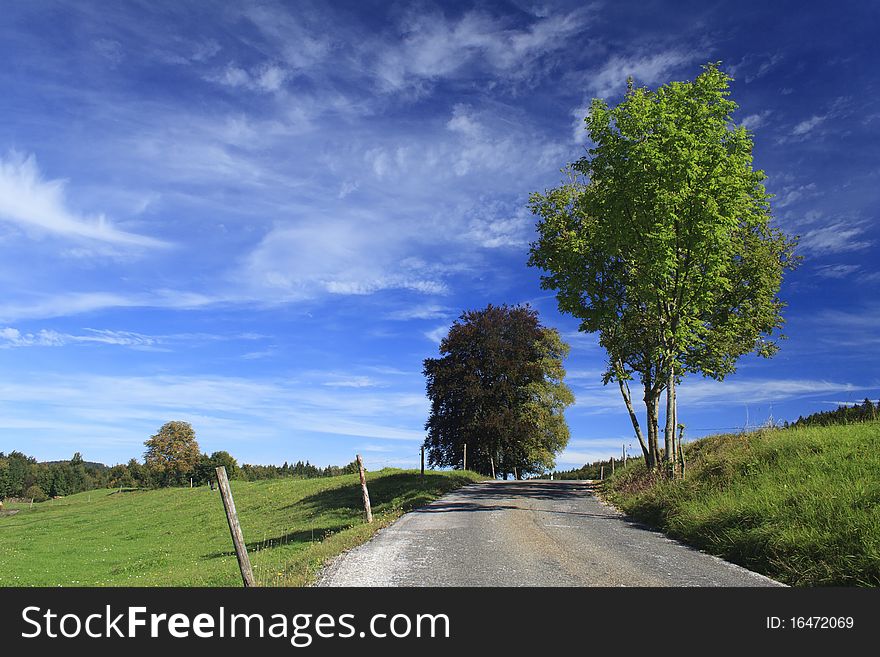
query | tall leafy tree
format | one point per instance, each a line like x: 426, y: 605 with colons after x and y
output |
x: 173, y: 453
x: 498, y: 388
x: 661, y: 242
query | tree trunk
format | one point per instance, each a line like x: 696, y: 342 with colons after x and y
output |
x: 669, y: 432
x: 651, y: 404
x: 627, y: 399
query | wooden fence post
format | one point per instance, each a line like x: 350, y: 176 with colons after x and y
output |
x: 601, y: 472
x: 423, y: 462
x: 366, y: 493
x: 464, y: 465
x: 244, y: 562
x: 612, y: 466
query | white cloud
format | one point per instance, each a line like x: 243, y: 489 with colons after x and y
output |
x: 837, y: 271
x: 803, y: 128
x: 352, y: 382
x: 422, y: 311
x: 839, y: 237
x: 40, y: 206
x: 75, y: 303
x: 649, y: 69
x: 434, y: 47
x: 95, y: 411
x: 706, y: 391
x: 355, y: 256
x: 12, y: 337
x: 437, y: 334
x: 267, y: 77
x: 755, y: 121
x: 795, y: 193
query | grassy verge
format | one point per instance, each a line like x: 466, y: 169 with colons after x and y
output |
x: 799, y: 505
x: 179, y: 536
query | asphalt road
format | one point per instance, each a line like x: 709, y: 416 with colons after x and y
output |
x: 527, y: 533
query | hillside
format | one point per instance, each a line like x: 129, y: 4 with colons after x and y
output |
x: 179, y: 536
x: 801, y: 505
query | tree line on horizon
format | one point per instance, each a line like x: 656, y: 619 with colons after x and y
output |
x: 843, y: 414
x: 172, y: 458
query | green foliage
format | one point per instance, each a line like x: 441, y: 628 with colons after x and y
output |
x: 801, y: 505
x: 36, y: 493
x: 18, y: 472
x: 843, y: 414
x: 179, y: 536
x: 498, y: 388
x: 661, y: 241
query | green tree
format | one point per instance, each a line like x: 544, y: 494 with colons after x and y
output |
x: 661, y: 242
x: 4, y: 477
x: 35, y: 493
x: 498, y: 389
x: 226, y: 460
x: 172, y: 454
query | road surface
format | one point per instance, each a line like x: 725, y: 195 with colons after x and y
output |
x: 527, y: 533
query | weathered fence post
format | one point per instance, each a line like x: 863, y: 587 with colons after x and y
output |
x: 366, y: 493
x: 464, y: 465
x: 244, y: 562
x: 423, y: 461
x: 601, y: 472
x: 612, y: 466
x: 623, y: 449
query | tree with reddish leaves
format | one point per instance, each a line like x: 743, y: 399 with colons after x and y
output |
x: 498, y: 388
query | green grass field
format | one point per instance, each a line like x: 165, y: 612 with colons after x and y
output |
x: 799, y: 505
x: 179, y: 536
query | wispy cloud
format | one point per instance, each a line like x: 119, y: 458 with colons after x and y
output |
x: 646, y: 69
x: 434, y: 47
x: 354, y: 257
x: 39, y: 205
x: 837, y: 271
x: 792, y: 194
x: 352, y: 382
x: 97, y: 411
x: 421, y: 311
x: 755, y: 121
x: 11, y: 337
x: 437, y: 334
x: 75, y: 303
x: 266, y: 78
x: 706, y: 391
x: 806, y: 126
x: 837, y: 237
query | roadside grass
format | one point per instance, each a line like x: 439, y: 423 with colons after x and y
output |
x: 800, y: 505
x: 179, y: 536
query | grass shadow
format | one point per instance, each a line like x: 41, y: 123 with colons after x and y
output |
x: 402, y: 491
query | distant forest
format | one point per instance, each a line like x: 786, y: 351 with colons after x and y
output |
x: 23, y: 477
x: 843, y: 414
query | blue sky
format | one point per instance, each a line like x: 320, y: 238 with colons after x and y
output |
x: 261, y: 217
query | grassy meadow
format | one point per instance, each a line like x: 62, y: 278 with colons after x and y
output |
x: 179, y: 536
x: 801, y: 505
